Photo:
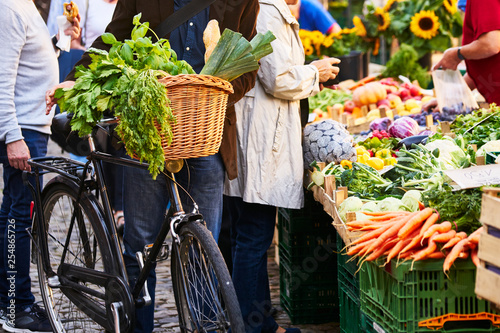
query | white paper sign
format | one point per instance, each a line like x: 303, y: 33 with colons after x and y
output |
x: 476, y: 176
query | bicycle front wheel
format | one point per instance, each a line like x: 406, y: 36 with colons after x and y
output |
x: 204, y: 292
x: 86, y: 249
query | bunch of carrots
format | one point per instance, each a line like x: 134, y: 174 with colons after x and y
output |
x: 411, y: 236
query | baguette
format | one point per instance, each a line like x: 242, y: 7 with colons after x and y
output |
x: 211, y: 36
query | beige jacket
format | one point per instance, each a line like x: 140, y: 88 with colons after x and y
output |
x: 269, y: 133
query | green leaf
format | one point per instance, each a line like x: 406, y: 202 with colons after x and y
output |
x: 137, y: 19
x: 127, y: 54
x: 102, y: 103
x: 109, y: 38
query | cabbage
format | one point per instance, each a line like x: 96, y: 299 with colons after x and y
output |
x: 488, y: 147
x: 361, y: 217
x: 411, y: 199
x: 381, y: 124
x: 370, y: 206
x: 426, y: 132
x: 351, y: 204
x: 451, y: 156
x: 404, y: 127
x: 413, y: 193
x: 391, y: 204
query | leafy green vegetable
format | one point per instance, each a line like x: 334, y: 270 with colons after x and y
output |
x: 364, y: 181
x: 478, y: 127
x: 462, y: 208
x: 125, y: 80
x: 328, y: 97
x: 234, y: 55
x: 405, y: 62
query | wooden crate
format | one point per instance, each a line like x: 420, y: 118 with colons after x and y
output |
x: 488, y: 278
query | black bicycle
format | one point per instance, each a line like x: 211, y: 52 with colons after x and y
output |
x: 81, y: 269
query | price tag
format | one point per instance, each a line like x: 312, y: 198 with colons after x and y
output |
x: 476, y: 176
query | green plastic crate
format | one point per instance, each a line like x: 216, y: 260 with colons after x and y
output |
x: 397, y: 298
x: 302, y: 248
x: 349, y: 309
x: 310, y: 312
x: 318, y: 282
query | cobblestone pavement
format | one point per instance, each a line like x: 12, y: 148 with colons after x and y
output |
x: 165, y: 310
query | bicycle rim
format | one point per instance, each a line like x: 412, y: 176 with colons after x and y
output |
x: 85, y: 250
x: 204, y: 293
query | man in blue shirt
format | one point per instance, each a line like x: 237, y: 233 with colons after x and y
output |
x: 313, y: 16
x: 461, y: 5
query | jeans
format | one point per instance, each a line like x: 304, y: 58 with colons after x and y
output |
x: 15, y: 282
x: 252, y: 229
x: 145, y: 204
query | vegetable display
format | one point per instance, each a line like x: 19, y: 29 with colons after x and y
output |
x: 410, y: 236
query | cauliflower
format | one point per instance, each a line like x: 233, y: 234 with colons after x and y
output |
x: 327, y: 141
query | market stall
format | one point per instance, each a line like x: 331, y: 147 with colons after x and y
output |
x: 410, y: 191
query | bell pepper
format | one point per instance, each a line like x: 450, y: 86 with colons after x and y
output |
x: 376, y: 163
x: 386, y: 156
x: 346, y: 164
x: 360, y: 150
x: 363, y: 158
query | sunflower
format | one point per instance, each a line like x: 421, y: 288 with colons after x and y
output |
x: 451, y: 6
x: 359, y: 25
x: 328, y: 41
x: 388, y: 4
x: 425, y: 24
x: 383, y: 18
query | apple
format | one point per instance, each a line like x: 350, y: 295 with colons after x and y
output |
x: 384, y: 102
x: 414, y: 90
x: 391, y: 89
x: 403, y: 92
x: 394, y: 100
x: 349, y: 105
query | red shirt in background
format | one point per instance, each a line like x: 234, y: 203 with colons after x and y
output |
x: 483, y: 16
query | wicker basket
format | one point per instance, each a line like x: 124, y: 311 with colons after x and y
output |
x: 199, y: 104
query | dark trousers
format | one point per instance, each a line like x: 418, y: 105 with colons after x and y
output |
x: 15, y: 282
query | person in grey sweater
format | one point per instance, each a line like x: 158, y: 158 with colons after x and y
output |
x: 29, y: 68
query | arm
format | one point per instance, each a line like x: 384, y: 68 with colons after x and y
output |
x: 280, y: 75
x: 245, y: 82
x: 487, y: 45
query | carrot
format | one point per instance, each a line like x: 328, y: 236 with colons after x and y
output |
x: 458, y: 237
x: 474, y: 237
x: 463, y: 255
x: 421, y: 205
x: 397, y: 249
x: 387, y: 245
x: 373, y: 234
x: 453, y: 255
x: 363, y: 82
x: 474, y: 257
x: 414, y: 223
x: 393, y: 230
x: 355, y: 249
x: 444, y: 237
x: 422, y: 254
x: 436, y: 255
x: 427, y: 224
x: 388, y: 216
x: 441, y: 228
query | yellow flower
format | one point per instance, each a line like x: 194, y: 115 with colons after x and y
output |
x: 383, y: 19
x: 328, y: 41
x: 450, y: 5
x: 388, y: 5
x: 360, y: 27
x: 425, y: 24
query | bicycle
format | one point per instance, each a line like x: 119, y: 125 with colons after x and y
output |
x: 80, y: 263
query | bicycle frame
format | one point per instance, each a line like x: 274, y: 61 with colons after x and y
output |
x: 174, y: 218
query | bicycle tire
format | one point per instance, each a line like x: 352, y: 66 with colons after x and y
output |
x: 58, y: 198
x: 193, y: 314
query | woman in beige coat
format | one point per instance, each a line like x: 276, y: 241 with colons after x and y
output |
x: 270, y: 166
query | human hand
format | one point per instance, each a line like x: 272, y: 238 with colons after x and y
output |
x: 430, y: 105
x: 50, y: 99
x: 450, y: 60
x: 18, y: 154
x: 75, y: 30
x: 326, y: 69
